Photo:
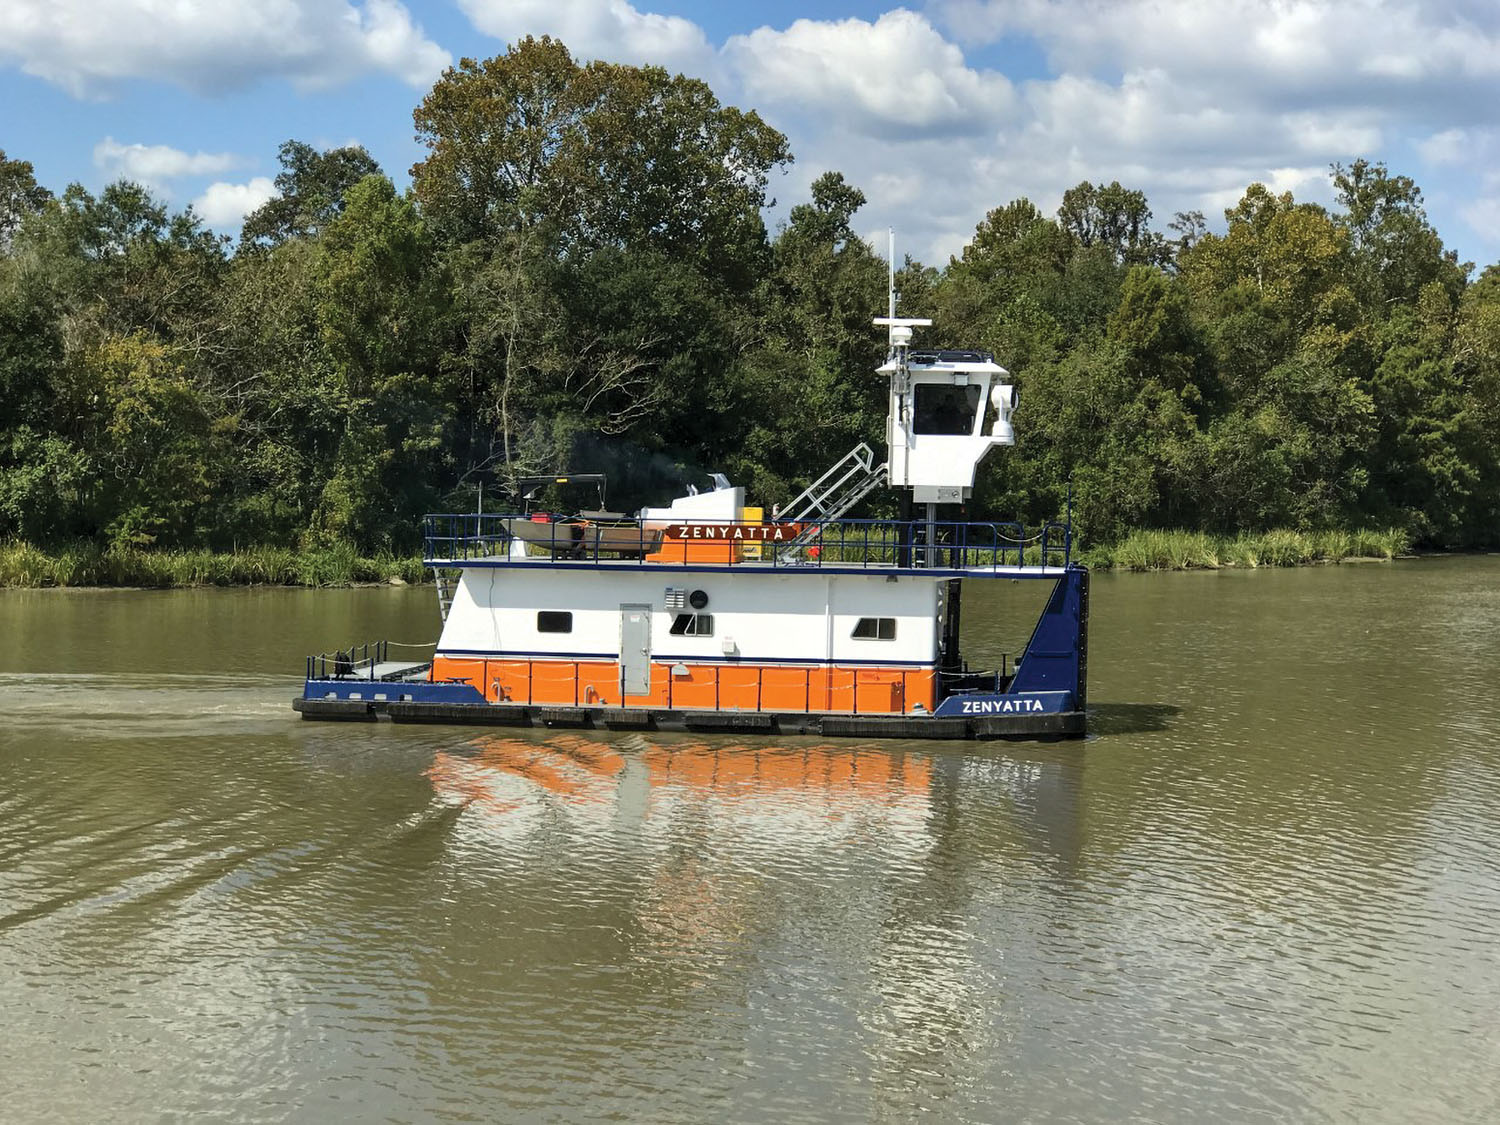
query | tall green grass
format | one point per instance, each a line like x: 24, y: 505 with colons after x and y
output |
x: 87, y: 564
x: 1195, y: 550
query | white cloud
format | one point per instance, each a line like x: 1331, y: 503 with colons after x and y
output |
x: 1292, y: 47
x: 1307, y: 184
x: 1189, y: 101
x: 1186, y: 100
x: 157, y: 165
x: 224, y: 205
x: 895, y: 77
x: 613, y: 30
x: 1483, y: 215
x: 1471, y: 149
x: 210, y: 46
x: 1451, y: 146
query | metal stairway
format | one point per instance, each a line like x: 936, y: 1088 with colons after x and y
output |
x: 853, y: 477
x: 444, y: 593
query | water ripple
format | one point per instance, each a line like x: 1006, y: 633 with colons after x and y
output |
x: 1266, y: 889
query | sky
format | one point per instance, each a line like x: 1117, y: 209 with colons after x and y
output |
x: 938, y: 111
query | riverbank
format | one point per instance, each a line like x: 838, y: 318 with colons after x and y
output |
x: 1195, y: 550
x: 85, y: 564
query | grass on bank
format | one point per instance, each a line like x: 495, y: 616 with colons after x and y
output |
x: 87, y: 564
x: 1176, y: 550
x: 1195, y: 550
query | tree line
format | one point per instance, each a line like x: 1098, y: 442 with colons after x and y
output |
x: 580, y: 276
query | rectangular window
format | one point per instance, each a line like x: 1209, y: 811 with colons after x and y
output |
x: 554, y: 621
x: 875, y: 629
x: 693, y: 625
x: 944, y: 409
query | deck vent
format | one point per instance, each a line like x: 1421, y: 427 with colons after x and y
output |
x: 676, y: 598
x: 698, y: 599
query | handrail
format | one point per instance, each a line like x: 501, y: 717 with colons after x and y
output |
x: 456, y: 538
x: 357, y: 662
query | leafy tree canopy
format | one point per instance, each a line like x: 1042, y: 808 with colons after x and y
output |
x: 310, y: 192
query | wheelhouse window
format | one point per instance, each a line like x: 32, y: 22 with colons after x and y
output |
x: 875, y: 629
x: 693, y: 625
x: 554, y: 621
x: 941, y: 408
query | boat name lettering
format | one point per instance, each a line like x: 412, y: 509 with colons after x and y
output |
x: 744, y: 532
x: 1001, y: 706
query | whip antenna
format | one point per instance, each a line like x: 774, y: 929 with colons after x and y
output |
x: 891, y: 261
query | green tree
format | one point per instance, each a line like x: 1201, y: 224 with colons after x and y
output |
x: 1394, y: 250
x: 20, y: 195
x: 1004, y: 291
x: 310, y: 192
x: 1113, y: 217
x: 1291, y: 255
x: 607, y: 155
x: 1476, y: 370
x: 1154, y: 330
x: 378, y: 301
x: 810, y: 392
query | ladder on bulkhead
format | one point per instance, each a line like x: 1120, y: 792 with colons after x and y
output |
x: 444, y: 593
x: 853, y: 477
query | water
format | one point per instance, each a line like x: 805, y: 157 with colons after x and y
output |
x: 1268, y: 889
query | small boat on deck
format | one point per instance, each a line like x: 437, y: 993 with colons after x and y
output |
x: 705, y: 615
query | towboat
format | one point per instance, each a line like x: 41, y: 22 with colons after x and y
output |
x: 705, y: 614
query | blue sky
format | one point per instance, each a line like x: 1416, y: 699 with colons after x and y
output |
x: 939, y: 111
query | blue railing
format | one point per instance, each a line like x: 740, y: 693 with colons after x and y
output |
x: 455, y: 539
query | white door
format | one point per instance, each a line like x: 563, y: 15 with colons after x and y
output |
x: 635, y: 649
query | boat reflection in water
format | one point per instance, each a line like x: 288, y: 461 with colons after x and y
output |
x: 729, y: 870
x: 795, y: 797
x: 756, y: 795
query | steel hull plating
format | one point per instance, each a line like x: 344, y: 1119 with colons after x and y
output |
x: 1022, y: 721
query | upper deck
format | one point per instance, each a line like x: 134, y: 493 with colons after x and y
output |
x: 939, y: 548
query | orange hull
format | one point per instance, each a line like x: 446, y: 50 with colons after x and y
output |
x: 776, y: 688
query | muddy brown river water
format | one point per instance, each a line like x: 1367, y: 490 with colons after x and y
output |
x: 1266, y: 889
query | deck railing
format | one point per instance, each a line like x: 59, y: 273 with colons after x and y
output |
x: 452, y: 538
x: 370, y: 661
x: 355, y: 662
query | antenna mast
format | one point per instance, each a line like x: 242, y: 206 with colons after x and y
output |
x: 891, y: 260
x: 900, y: 327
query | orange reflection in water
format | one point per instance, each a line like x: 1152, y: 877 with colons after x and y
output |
x: 581, y: 770
x: 567, y: 766
x: 742, y: 770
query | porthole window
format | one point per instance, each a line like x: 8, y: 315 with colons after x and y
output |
x: 693, y: 625
x: 875, y: 629
x: 554, y: 621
